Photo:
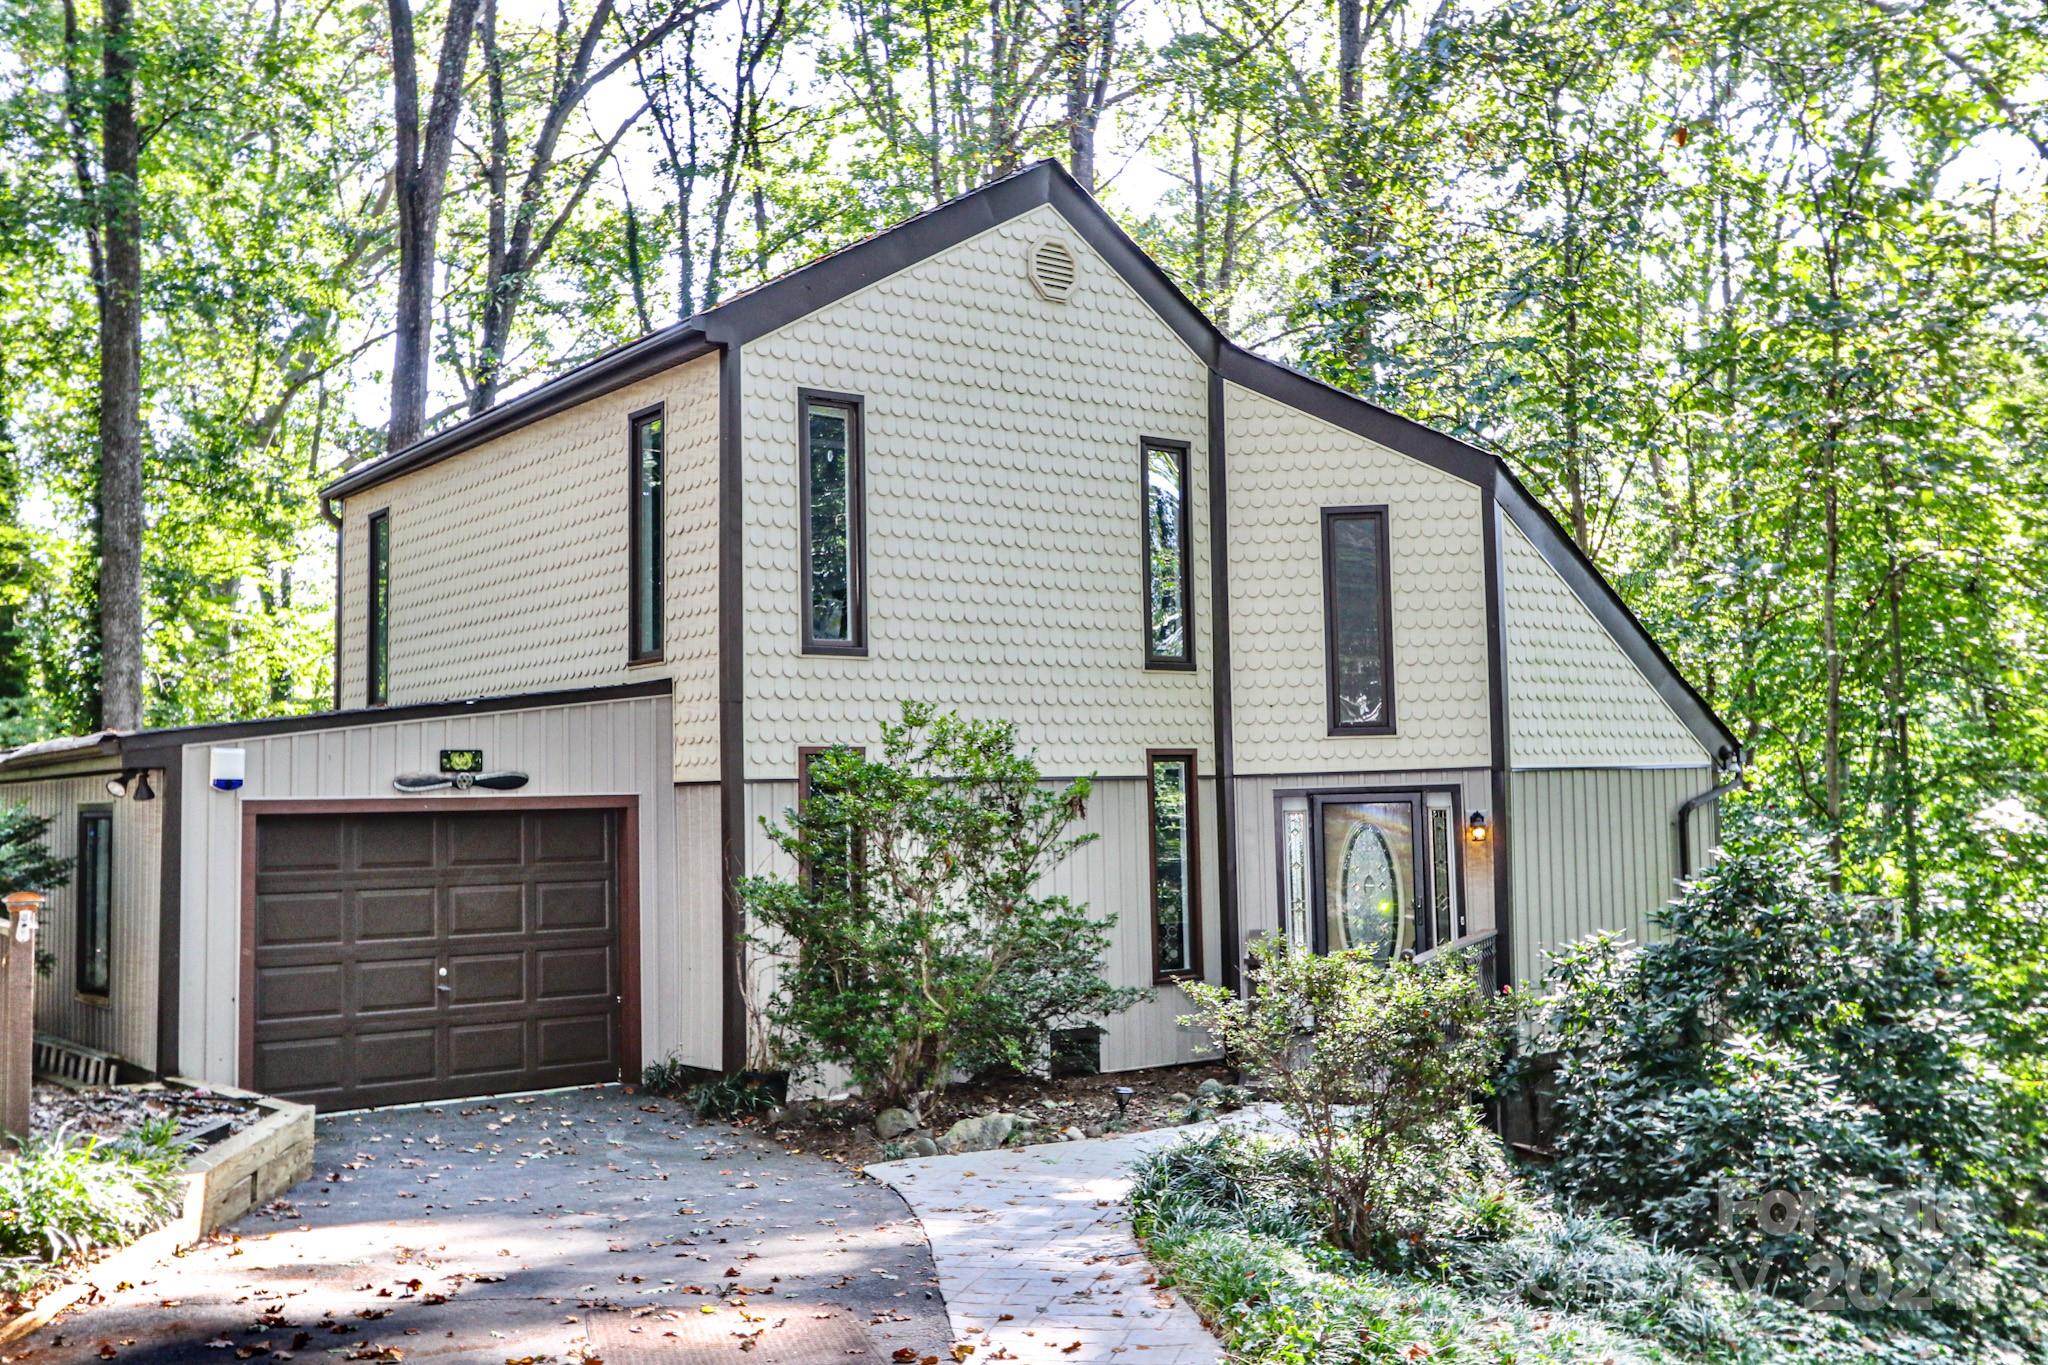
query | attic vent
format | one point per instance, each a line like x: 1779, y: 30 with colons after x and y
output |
x: 1052, y: 268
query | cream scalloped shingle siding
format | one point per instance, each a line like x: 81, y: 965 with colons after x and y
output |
x: 1005, y: 569
x: 1285, y: 466
x: 508, y: 562
x: 1575, y: 700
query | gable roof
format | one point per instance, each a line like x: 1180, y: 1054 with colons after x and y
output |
x: 745, y: 316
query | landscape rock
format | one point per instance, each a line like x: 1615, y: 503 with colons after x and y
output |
x: 894, y: 1123
x: 981, y: 1134
x: 1212, y: 1086
x: 924, y: 1146
x: 1072, y: 1134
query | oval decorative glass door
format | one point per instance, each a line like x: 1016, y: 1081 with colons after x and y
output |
x: 1369, y: 872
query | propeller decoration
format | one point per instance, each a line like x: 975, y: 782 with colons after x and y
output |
x: 430, y: 782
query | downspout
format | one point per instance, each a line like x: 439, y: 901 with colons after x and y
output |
x: 329, y: 515
x: 1684, y: 817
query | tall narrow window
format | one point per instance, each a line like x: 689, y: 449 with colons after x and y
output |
x: 644, y: 535
x: 1357, y: 621
x: 95, y: 896
x: 1176, y: 909
x: 834, y: 620
x: 378, y: 688
x: 1168, y: 638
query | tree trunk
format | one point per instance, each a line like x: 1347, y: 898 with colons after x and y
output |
x: 120, y: 471
x: 421, y: 180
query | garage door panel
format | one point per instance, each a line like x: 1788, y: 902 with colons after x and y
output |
x: 386, y: 841
x: 571, y: 837
x: 476, y: 1050
x: 499, y: 978
x: 560, y: 906
x: 312, y: 991
x: 571, y: 972
x: 300, y: 1064
x: 388, y: 987
x: 307, y: 844
x: 575, y: 1041
x: 498, y: 909
x: 488, y: 840
x: 310, y: 919
x: 519, y: 908
x: 388, y: 1058
x: 394, y: 913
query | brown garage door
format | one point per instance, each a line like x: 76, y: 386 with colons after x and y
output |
x: 418, y: 956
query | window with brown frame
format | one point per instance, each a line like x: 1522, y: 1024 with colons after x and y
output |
x: 1176, y: 863
x: 646, y: 463
x: 1169, y: 635
x: 377, y: 682
x: 832, y: 529
x: 1358, y: 625
x: 806, y: 757
x: 95, y: 901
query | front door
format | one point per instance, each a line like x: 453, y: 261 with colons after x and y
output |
x: 1372, y: 870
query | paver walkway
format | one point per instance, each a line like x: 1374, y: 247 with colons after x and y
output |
x: 1036, y: 1255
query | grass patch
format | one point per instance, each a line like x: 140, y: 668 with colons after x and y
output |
x: 63, y: 1197
x: 1235, y: 1223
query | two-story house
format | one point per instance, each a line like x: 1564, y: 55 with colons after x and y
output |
x: 1337, y: 675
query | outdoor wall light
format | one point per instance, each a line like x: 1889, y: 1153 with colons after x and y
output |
x: 1475, y: 828
x: 134, y: 783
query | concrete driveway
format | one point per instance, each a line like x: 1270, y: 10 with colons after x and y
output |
x: 496, y: 1230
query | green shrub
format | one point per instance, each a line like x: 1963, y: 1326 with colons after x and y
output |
x: 670, y: 1076
x: 1234, y: 1221
x: 1785, y: 1037
x: 915, y: 943
x: 1377, y: 1065
x: 61, y: 1198
x: 26, y: 862
x: 730, y: 1097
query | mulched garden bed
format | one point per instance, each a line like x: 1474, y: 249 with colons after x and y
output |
x: 111, y: 1111
x: 1163, y: 1097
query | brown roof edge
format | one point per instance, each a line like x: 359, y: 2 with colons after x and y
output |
x: 150, y: 748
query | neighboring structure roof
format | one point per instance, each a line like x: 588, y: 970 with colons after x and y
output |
x: 744, y: 316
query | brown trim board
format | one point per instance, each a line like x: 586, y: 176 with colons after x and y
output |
x: 626, y: 856
x: 732, y: 675
x: 1497, y: 727
x: 1219, y: 663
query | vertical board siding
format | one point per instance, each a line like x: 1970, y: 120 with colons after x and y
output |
x: 1597, y: 848
x: 125, y: 1023
x: 1285, y: 466
x: 1111, y: 875
x: 1258, y: 847
x: 1005, y: 550
x: 595, y: 748
x: 509, y: 563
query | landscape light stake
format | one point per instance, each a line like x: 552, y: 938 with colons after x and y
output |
x: 1123, y: 1095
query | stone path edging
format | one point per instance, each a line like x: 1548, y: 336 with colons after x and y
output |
x: 1036, y: 1256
